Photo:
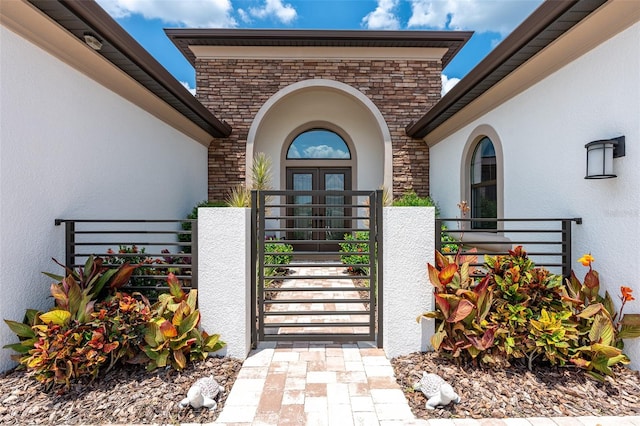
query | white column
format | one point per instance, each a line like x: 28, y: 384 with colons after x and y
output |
x: 224, y: 276
x: 409, y: 244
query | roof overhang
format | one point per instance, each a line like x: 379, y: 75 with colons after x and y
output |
x: 551, y: 37
x: 313, y: 44
x: 121, y: 64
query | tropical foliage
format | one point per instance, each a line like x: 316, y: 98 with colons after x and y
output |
x: 520, y: 311
x: 277, y: 257
x: 355, y: 252
x: 240, y: 195
x: 94, y: 326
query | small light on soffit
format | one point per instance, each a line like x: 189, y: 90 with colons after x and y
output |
x: 600, y: 155
x: 92, y: 41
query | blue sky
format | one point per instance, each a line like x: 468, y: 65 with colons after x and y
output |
x: 491, y: 20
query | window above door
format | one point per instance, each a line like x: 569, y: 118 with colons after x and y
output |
x: 318, y: 144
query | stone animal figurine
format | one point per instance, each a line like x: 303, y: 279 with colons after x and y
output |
x: 203, y: 394
x: 437, y: 391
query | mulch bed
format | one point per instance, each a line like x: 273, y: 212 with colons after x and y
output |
x: 126, y: 395
x: 517, y: 392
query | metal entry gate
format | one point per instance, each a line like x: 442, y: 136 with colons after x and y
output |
x: 332, y: 233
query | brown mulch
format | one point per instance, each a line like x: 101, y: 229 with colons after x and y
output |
x: 126, y: 395
x: 517, y: 392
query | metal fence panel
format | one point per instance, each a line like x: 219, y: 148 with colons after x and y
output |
x: 159, y: 246
x: 547, y: 240
x: 315, y: 229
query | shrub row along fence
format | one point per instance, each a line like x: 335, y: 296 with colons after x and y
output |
x: 547, y: 241
x: 160, y: 247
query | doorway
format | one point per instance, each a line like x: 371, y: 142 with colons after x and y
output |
x: 322, y: 217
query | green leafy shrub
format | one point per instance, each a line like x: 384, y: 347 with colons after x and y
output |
x: 411, y: 199
x: 86, y: 333
x: 150, y: 271
x: 76, y: 293
x: 601, y: 327
x: 357, y: 243
x: 449, y: 243
x: 65, y: 351
x: 125, y: 318
x: 172, y: 337
x: 66, y: 342
x: 521, y: 292
x: 519, y: 311
x: 280, y: 255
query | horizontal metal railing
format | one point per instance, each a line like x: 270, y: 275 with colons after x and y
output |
x: 547, y: 241
x: 159, y: 246
x: 315, y: 234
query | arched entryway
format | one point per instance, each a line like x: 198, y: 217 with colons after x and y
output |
x: 329, y: 105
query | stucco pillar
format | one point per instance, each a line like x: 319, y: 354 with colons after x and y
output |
x: 224, y: 276
x: 409, y: 244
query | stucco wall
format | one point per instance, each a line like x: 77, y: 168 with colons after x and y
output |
x: 71, y: 149
x: 543, y: 132
x: 408, y: 292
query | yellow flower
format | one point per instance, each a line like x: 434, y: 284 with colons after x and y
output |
x: 586, y: 260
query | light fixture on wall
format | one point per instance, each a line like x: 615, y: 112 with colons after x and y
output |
x: 600, y: 155
x: 92, y: 41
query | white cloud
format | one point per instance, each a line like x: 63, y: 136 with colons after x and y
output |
x: 191, y: 13
x: 324, y: 151
x: 244, y: 16
x: 500, y: 16
x: 284, y: 13
x: 188, y: 87
x: 293, y: 152
x: 383, y: 17
x: 317, y: 151
x: 447, y: 83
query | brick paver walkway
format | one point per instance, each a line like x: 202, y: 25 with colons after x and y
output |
x: 332, y: 384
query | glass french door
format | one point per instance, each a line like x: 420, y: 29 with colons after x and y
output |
x: 322, y: 218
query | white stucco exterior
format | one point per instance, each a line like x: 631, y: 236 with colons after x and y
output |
x: 542, y: 132
x: 409, y: 236
x: 224, y: 276
x: 69, y: 148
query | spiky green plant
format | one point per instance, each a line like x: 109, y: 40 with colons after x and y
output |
x: 240, y: 195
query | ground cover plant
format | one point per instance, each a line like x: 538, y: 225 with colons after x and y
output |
x: 351, y: 250
x: 521, y: 312
x: 277, y: 257
x: 151, y: 273
x: 95, y: 326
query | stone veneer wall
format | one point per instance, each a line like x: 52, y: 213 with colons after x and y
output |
x: 235, y: 89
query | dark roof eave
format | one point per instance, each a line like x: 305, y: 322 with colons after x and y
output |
x: 538, y: 21
x: 184, y: 37
x: 90, y: 14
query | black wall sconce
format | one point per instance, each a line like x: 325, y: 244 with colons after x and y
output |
x: 600, y: 155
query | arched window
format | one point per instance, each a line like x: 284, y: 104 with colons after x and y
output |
x: 318, y: 144
x: 484, y: 194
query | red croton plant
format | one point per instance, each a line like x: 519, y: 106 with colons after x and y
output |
x: 86, y: 334
x: 519, y: 311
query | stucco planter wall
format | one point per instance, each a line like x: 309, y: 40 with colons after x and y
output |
x: 224, y: 271
x: 409, y: 236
